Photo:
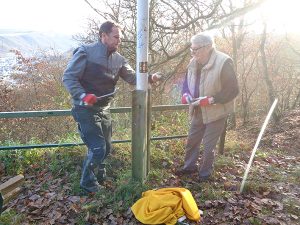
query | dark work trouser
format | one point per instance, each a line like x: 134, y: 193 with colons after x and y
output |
x: 94, y: 127
x: 209, y: 134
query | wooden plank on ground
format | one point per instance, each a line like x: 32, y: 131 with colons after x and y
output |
x: 11, y: 195
x: 11, y: 184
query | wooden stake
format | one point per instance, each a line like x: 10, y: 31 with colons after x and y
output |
x: 11, y: 184
x: 10, y: 189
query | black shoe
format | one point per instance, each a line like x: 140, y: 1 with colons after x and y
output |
x: 101, y: 175
x: 185, y: 171
x: 99, y: 171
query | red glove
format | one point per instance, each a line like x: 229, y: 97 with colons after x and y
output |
x: 204, y: 101
x: 89, y: 99
x: 186, y: 98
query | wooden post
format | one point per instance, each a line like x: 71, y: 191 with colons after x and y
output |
x: 1, y: 203
x: 149, y: 112
x: 10, y: 189
x: 11, y: 184
x: 139, y: 135
x: 222, y: 139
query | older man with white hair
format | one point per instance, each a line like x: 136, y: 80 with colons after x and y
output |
x: 210, y: 87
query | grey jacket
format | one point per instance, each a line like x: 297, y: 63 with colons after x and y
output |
x: 92, y: 70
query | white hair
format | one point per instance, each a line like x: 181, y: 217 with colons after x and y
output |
x: 203, y: 39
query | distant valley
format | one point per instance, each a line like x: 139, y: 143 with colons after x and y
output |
x: 29, y: 42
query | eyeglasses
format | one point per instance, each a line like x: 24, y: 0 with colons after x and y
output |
x: 193, y: 50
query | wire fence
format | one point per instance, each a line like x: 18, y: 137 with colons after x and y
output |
x: 66, y: 113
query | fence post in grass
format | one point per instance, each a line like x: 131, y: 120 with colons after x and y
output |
x: 149, y: 113
x: 139, y: 135
x: 139, y: 102
x: 222, y: 139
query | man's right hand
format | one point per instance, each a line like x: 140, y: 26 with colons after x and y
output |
x: 186, y: 98
x: 88, y: 99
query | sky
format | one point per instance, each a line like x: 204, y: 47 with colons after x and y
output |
x: 70, y: 16
x: 282, y: 16
x: 58, y: 16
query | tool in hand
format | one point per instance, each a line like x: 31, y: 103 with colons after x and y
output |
x: 107, y: 95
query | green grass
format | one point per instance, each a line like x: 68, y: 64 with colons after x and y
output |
x: 57, y: 160
x: 74, y: 179
x: 224, y: 161
x: 124, y: 195
x: 160, y: 159
x: 260, y: 154
x: 80, y: 220
x: 18, y: 161
x: 127, y: 192
x: 256, y: 185
x: 254, y: 221
x: 276, y: 173
x: 209, y: 193
x: 11, y: 217
x: 165, y: 157
x: 296, y: 175
x: 61, y: 161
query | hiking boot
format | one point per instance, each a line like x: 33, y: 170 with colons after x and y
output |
x: 183, y: 171
x: 99, y: 172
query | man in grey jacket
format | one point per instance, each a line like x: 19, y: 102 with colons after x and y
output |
x: 90, y: 78
x: 210, y: 88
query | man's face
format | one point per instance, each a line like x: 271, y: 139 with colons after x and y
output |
x: 113, y: 39
x: 200, y: 52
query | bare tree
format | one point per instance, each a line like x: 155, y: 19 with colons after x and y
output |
x: 172, y: 23
x: 266, y: 76
x: 296, y: 52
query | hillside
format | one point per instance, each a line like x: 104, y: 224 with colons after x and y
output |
x: 29, y: 42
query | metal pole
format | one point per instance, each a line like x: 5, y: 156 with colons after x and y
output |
x: 139, y: 96
x: 142, y: 39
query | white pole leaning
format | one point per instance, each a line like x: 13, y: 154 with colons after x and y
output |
x: 262, y: 130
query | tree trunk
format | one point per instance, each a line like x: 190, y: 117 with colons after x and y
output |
x: 266, y: 75
x: 297, y: 101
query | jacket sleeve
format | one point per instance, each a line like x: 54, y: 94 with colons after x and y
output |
x: 127, y: 73
x: 74, y: 72
x: 185, y: 88
x: 229, y: 84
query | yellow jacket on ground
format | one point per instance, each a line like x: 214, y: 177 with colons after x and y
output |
x: 166, y: 206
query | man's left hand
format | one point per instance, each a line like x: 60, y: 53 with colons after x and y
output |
x: 156, y: 77
x: 204, y: 101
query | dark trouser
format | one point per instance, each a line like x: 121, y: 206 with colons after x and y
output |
x: 210, y: 134
x: 94, y: 127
